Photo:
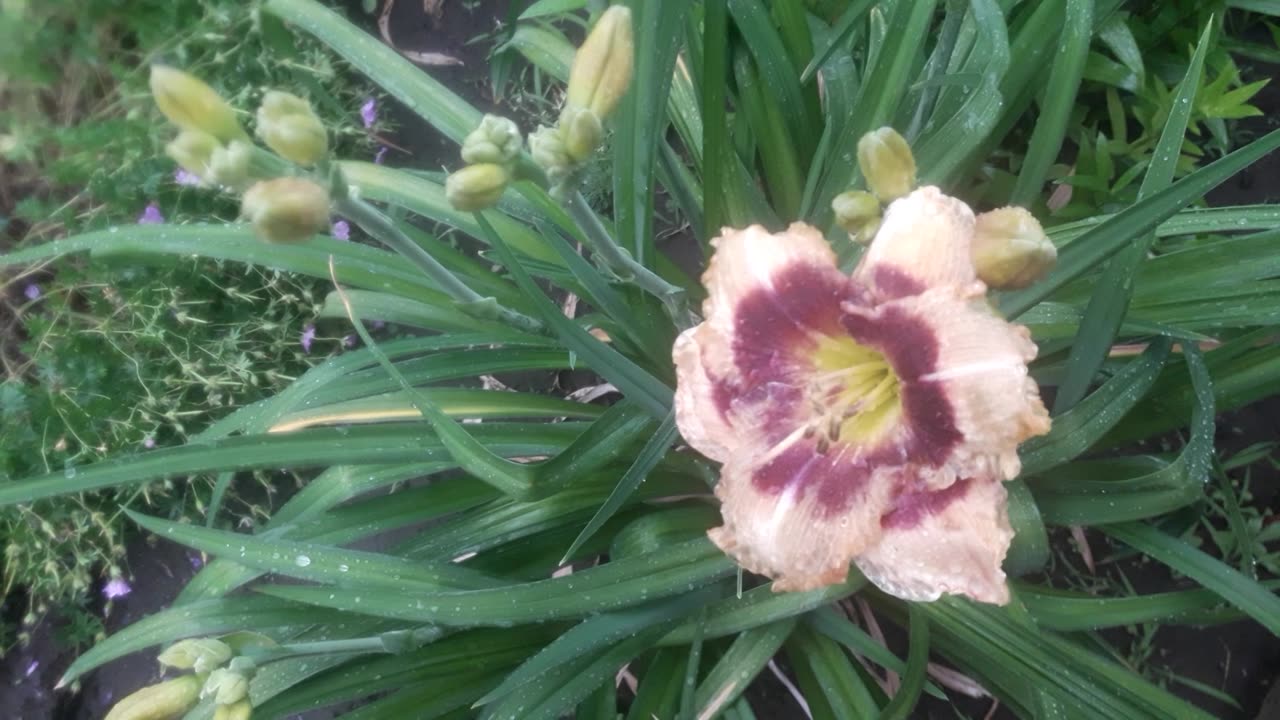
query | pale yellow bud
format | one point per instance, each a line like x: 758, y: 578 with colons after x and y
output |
x: 163, y: 701
x: 287, y: 125
x: 242, y: 710
x: 192, y: 150
x: 1010, y: 249
x: 497, y: 140
x: 548, y: 151
x: 602, y: 67
x: 858, y: 213
x: 476, y: 187
x: 201, y: 655
x: 191, y: 104
x: 230, y: 164
x: 581, y: 131
x: 887, y: 164
x: 286, y: 209
x: 226, y: 686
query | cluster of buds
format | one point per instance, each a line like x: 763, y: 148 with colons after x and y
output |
x: 213, y: 146
x: 491, y: 152
x: 599, y: 77
x: 1010, y: 249
x: 890, y: 171
x: 213, y: 672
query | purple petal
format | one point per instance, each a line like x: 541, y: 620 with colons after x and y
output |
x: 182, y: 177
x: 380, y: 155
x: 341, y: 230
x: 116, y: 588
x: 148, y: 442
x: 349, y: 341
x: 308, y: 334
x: 151, y: 216
x: 369, y: 112
x: 32, y: 291
x: 35, y: 665
x: 197, y: 562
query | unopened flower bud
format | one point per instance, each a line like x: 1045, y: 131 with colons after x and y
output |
x: 602, y: 67
x: 242, y: 710
x: 191, y: 104
x: 496, y: 140
x: 226, y: 686
x: 201, y: 655
x: 858, y: 213
x: 162, y: 701
x: 887, y: 164
x: 286, y: 209
x: 193, y: 150
x: 229, y: 165
x: 1010, y: 249
x: 476, y: 187
x: 287, y: 124
x: 581, y: 131
x: 548, y: 151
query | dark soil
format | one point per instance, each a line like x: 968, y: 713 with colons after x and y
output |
x: 1240, y: 659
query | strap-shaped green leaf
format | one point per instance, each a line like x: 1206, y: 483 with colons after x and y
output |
x: 1109, y: 301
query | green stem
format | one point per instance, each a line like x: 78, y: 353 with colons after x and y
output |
x: 623, y: 265
x: 374, y: 222
x: 407, y: 640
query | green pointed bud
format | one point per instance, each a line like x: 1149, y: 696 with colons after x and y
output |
x: 581, y: 131
x: 192, y: 150
x: 602, y: 67
x: 287, y: 124
x: 497, y: 140
x: 1010, y: 249
x: 229, y: 166
x: 191, y: 104
x: 476, y: 187
x: 242, y: 710
x: 226, y: 687
x: 243, y: 665
x: 858, y: 213
x: 163, y: 701
x: 887, y: 163
x: 286, y: 209
x: 549, y: 153
x: 201, y: 655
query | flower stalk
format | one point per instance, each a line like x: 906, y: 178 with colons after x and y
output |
x: 619, y: 261
x: 379, y: 226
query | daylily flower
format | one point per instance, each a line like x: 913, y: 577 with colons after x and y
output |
x: 868, y: 418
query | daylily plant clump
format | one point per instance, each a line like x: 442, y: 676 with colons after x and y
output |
x: 870, y: 417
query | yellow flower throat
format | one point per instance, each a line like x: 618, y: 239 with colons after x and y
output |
x: 854, y: 393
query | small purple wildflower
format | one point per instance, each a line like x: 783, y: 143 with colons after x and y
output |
x: 148, y: 442
x: 182, y: 177
x: 308, y: 334
x: 32, y: 291
x: 35, y: 665
x: 349, y: 341
x: 341, y: 230
x: 378, y: 324
x: 379, y: 156
x: 151, y: 216
x: 369, y: 112
x: 116, y: 588
x: 197, y: 562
